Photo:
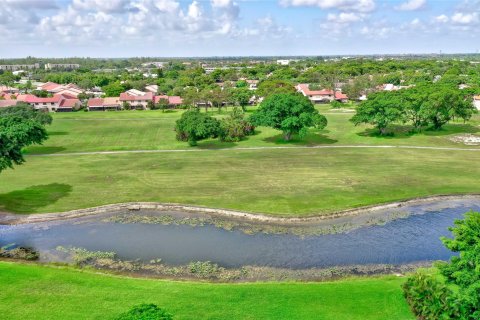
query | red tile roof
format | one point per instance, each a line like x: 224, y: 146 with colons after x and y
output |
x: 34, y: 99
x: 340, y: 96
x: 126, y: 97
x: 95, y: 102
x: 156, y: 99
x: 7, y: 103
x: 49, y: 86
x: 306, y: 91
x: 175, y: 100
x: 69, y: 103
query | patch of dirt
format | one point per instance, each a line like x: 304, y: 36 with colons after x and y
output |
x: 467, y: 139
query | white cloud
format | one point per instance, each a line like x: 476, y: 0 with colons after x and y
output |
x: 101, y: 5
x: 343, y: 5
x: 31, y: 4
x: 344, y: 17
x: 412, y: 5
x: 465, y: 18
x: 441, y: 19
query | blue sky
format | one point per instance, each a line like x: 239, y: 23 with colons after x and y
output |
x: 123, y: 28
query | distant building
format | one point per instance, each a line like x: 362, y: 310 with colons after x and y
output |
x: 104, y: 104
x: 57, y: 103
x: 16, y: 67
x: 136, y: 101
x: 66, y: 66
x: 173, y: 101
x: 321, y: 96
x: 152, y: 88
x: 283, y: 62
x: 476, y: 102
x: 156, y: 64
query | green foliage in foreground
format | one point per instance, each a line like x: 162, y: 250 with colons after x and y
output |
x: 234, y: 128
x: 146, y: 312
x: 290, y: 113
x: 43, y: 292
x: 457, y: 294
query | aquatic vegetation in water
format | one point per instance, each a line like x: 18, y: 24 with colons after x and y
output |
x: 11, y: 251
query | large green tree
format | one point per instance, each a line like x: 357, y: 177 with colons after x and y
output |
x: 17, y: 132
x: 290, y: 113
x: 194, y: 126
x: 381, y: 109
x: 269, y: 87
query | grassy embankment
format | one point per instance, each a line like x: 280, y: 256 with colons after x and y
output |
x: 291, y: 182
x: 43, y: 292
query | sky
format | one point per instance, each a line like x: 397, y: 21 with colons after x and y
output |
x: 196, y: 28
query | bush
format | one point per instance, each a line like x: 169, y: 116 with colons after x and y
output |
x: 145, y: 312
x: 194, y: 126
x: 235, y: 127
x: 335, y: 104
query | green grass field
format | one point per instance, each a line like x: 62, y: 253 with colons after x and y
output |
x: 287, y: 182
x: 153, y: 130
x: 43, y: 292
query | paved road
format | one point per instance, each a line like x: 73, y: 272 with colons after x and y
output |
x: 252, y: 148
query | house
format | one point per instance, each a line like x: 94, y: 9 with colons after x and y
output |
x: 137, y: 101
x: 68, y: 105
x: 8, y: 103
x: 55, y: 88
x: 476, y: 102
x: 152, y: 88
x: 173, y: 101
x: 56, y: 103
x: 104, y: 104
x: 7, y: 89
x: 321, y: 96
x: 252, y: 84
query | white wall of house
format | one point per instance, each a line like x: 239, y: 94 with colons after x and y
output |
x: 477, y: 104
x: 51, y: 106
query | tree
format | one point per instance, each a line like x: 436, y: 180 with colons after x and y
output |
x: 445, y: 104
x: 269, y: 87
x: 17, y: 132
x: 146, y: 312
x: 162, y: 104
x: 235, y: 127
x: 241, y: 97
x: 290, y: 113
x: 194, y: 126
x: 381, y: 109
x: 113, y: 89
x: 26, y: 111
x: 456, y: 293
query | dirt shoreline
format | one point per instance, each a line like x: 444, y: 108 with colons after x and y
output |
x: 7, y: 218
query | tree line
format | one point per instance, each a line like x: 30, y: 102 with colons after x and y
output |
x: 423, y: 107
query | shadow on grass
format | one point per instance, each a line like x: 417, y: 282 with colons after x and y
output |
x: 58, y: 133
x: 406, y: 131
x: 43, y: 150
x: 216, y: 145
x: 31, y: 199
x: 311, y: 139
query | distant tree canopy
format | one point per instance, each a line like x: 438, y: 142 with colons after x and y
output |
x: 290, y: 113
x: 455, y: 295
x: 269, y: 87
x: 429, y: 106
x: 194, y: 126
x: 17, y: 132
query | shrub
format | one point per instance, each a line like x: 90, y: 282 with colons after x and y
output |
x: 145, y: 312
x: 235, y: 127
x: 335, y: 104
x: 194, y: 126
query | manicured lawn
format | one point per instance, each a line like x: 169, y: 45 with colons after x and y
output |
x: 42, y: 292
x: 152, y: 130
x: 281, y: 181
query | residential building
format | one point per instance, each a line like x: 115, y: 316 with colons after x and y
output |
x: 155, y: 64
x: 66, y: 89
x: 173, y: 101
x: 8, y: 103
x: 321, y: 96
x: 56, y: 103
x: 104, y: 104
x: 137, y: 101
x: 152, y: 88
x: 66, y: 66
x: 16, y: 67
x: 476, y: 102
x: 252, y: 84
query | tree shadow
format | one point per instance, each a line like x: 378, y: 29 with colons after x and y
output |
x: 31, y: 199
x: 43, y: 150
x: 58, y: 133
x: 212, y: 145
x: 407, y: 131
x: 311, y: 139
